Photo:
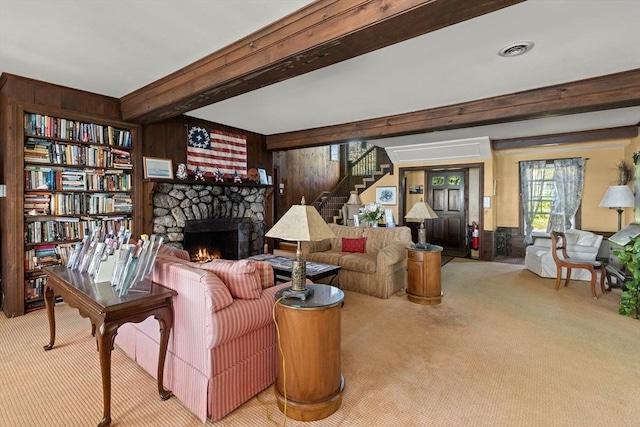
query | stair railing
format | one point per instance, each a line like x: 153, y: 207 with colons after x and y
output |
x: 365, y: 166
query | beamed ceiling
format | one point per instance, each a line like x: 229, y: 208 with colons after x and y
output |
x: 392, y: 72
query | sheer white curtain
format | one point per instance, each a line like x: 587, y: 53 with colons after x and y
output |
x: 531, y: 176
x: 569, y: 181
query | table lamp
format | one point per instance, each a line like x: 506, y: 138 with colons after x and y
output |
x: 301, y: 223
x: 421, y: 211
x: 618, y: 197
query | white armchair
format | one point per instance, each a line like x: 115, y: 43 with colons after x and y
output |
x: 582, y: 245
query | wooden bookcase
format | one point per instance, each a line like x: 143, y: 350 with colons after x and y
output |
x: 80, y: 172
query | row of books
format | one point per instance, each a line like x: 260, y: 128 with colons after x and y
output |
x: 40, y: 178
x: 34, y: 286
x: 57, y: 229
x: 45, y: 255
x: 77, y: 204
x: 43, y: 151
x: 55, y: 127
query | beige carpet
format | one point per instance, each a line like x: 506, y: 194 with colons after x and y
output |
x: 503, y: 349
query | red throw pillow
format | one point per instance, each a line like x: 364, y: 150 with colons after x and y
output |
x: 354, y: 244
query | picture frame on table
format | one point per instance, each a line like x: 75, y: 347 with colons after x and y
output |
x: 387, y: 195
x: 155, y: 167
x: 263, y: 176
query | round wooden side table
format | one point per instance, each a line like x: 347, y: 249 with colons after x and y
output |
x: 310, y: 342
x: 423, y: 275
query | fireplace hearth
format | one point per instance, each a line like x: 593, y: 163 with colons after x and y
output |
x: 227, y: 238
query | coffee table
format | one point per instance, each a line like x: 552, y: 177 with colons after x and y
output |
x: 282, y: 267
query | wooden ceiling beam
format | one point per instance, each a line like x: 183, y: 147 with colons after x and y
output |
x: 618, y: 90
x: 324, y: 33
x: 622, y: 132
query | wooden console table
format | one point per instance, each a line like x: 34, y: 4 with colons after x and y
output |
x: 107, y: 311
x: 310, y: 341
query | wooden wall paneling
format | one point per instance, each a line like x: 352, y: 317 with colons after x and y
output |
x: 307, y: 172
x: 487, y: 245
x: 168, y: 139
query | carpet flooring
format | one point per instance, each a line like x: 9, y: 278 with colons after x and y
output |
x: 502, y: 349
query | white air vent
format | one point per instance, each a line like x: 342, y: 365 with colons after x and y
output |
x: 460, y: 149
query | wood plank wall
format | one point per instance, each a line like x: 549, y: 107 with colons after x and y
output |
x: 304, y: 172
x: 168, y: 139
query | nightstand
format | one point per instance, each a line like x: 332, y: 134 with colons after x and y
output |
x: 423, y: 275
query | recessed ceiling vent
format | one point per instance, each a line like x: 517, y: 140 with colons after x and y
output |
x: 515, y: 49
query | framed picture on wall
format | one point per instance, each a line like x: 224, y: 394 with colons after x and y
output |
x: 386, y: 195
x: 158, y: 168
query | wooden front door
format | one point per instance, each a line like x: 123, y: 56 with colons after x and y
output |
x: 446, y: 192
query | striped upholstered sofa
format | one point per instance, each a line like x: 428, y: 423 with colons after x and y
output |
x: 222, y: 349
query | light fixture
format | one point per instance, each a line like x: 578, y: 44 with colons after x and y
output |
x: 516, y: 49
x: 301, y: 223
x: 354, y: 199
x: 618, y: 197
x: 421, y: 211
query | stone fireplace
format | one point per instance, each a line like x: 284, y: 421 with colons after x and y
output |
x: 227, y: 213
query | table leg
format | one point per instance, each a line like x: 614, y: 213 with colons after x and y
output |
x: 49, y: 301
x: 165, y: 320
x: 106, y: 333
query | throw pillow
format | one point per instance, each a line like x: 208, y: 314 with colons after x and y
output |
x: 241, y: 276
x: 355, y: 245
x: 587, y: 239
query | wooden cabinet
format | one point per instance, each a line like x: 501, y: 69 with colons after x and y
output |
x: 77, y: 176
x: 310, y: 343
x: 423, y: 275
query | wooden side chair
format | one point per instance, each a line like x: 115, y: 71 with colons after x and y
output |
x: 559, y: 243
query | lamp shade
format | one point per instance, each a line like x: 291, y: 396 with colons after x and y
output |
x: 354, y: 199
x: 301, y: 223
x: 420, y: 211
x: 617, y: 196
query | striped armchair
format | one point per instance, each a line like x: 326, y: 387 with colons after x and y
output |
x: 222, y: 349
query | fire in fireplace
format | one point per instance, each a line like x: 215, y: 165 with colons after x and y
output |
x: 226, y: 238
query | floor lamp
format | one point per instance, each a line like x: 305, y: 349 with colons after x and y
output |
x: 618, y: 197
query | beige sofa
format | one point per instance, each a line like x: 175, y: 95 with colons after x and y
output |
x: 379, y: 271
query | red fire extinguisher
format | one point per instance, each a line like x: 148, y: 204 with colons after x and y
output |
x: 475, y: 237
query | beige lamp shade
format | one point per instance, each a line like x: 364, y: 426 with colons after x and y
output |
x: 354, y: 199
x: 420, y: 211
x: 301, y: 223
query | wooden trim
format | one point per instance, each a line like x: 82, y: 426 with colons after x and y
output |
x: 323, y: 33
x: 623, y: 132
x: 618, y: 90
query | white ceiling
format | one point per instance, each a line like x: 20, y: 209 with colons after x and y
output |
x: 115, y: 47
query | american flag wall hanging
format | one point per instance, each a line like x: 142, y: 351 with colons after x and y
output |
x: 212, y: 150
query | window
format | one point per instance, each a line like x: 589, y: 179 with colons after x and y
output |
x: 551, y: 195
x: 542, y: 200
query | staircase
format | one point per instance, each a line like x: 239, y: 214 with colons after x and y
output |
x: 362, y: 174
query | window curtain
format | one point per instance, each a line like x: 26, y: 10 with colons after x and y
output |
x: 568, y: 177
x: 531, y: 175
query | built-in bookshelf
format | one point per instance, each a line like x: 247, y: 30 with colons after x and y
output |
x: 78, y: 178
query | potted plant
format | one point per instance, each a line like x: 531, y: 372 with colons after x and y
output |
x: 630, y: 257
